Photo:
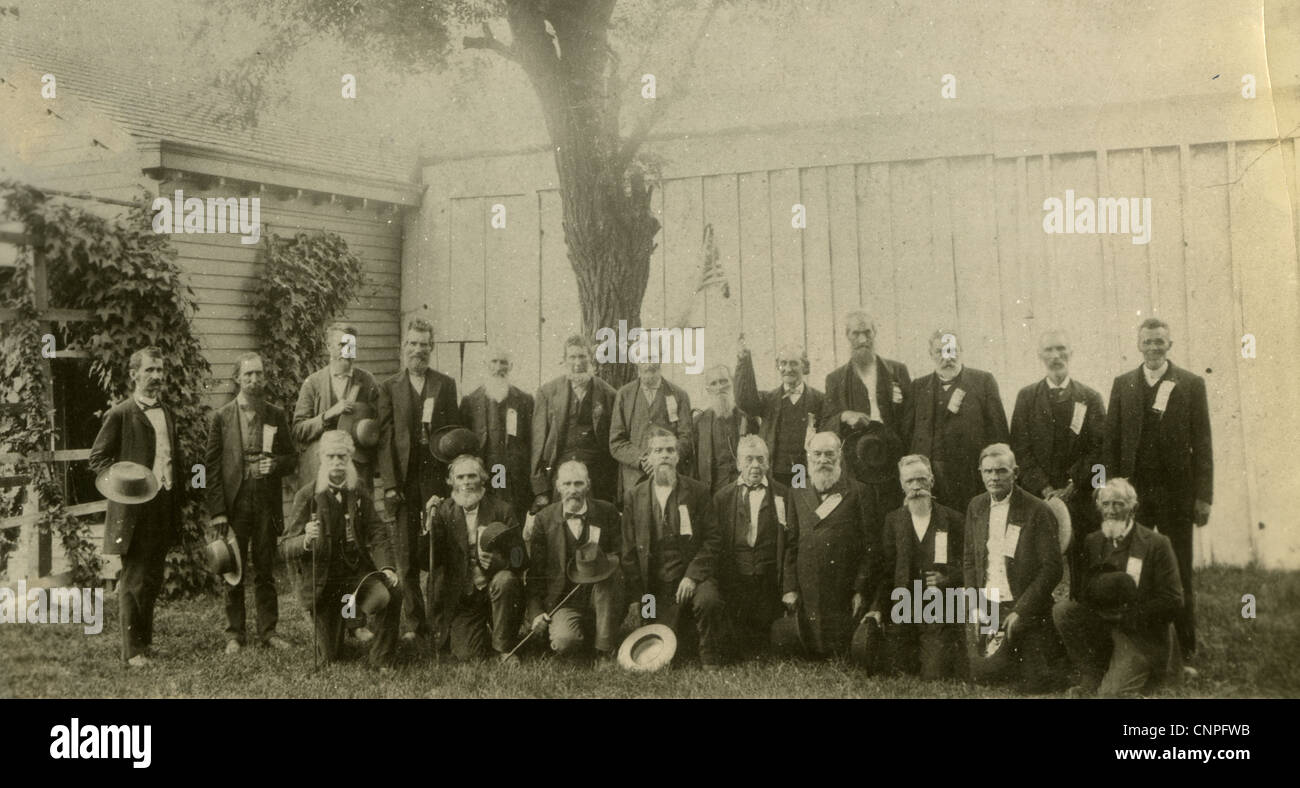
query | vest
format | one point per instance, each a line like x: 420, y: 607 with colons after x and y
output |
x: 579, y: 435
x: 760, y: 558
x: 792, y: 423
x: 1149, y: 462
x: 1058, y: 470
x: 667, y: 562
x: 725, y: 437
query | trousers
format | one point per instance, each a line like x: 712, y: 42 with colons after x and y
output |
x: 255, y: 533
x: 593, y: 611
x: 702, y: 613
x: 329, y: 622
x: 142, y: 573
x: 1111, y: 662
x: 488, y: 619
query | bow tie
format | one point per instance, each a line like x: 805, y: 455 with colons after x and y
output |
x: 146, y: 406
x: 752, y: 487
x: 571, y: 515
x: 468, y: 509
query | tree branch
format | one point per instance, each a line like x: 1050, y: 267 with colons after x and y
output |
x: 489, y: 41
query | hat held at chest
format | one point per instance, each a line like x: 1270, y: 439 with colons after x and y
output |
x: 449, y: 442
x: 127, y: 482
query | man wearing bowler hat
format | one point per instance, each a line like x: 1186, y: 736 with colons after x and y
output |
x: 670, y: 542
x: 327, y: 400
x: 336, y: 539
x: 413, y: 404
x: 571, y: 545
x: 140, y: 529
x: 921, y: 546
x: 477, y: 605
x: 249, y: 451
x: 1117, y: 633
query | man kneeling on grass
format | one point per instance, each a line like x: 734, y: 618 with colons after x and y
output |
x: 1117, y: 633
x: 334, y: 522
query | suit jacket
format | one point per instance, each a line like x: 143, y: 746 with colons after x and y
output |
x: 1032, y: 435
x: 893, y: 391
x: 628, y: 425
x: 451, y: 554
x: 127, y: 435
x: 1183, y: 440
x: 955, y: 442
x: 225, y: 460
x: 767, y: 405
x: 1037, y: 566
x: 904, y: 559
x: 514, y: 451
x: 698, y: 550
x: 725, y: 506
x: 372, y: 538
x: 548, y: 579
x: 551, y: 418
x: 1160, y: 592
x: 314, y: 398
x: 704, y: 448
x: 395, y: 406
x: 829, y: 559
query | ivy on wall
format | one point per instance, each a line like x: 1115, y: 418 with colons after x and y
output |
x: 125, y: 274
x: 306, y: 283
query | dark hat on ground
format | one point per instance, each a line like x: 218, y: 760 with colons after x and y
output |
x: 362, y: 424
x: 867, y: 647
x: 789, y: 636
x: 448, y: 443
x: 648, y: 649
x: 992, y: 655
x: 371, y: 595
x: 222, y: 558
x: 127, y: 482
x: 875, y: 449
x: 590, y: 564
x: 1063, y: 528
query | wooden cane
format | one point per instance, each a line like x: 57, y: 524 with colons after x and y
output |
x: 315, y: 654
x: 576, y: 586
x: 428, y: 596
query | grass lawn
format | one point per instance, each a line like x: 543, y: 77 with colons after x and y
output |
x: 1239, y: 657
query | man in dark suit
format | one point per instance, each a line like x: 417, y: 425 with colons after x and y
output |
x: 717, y: 431
x: 752, y: 522
x: 953, y: 413
x: 334, y: 521
x: 1117, y: 633
x: 413, y: 404
x: 244, y: 493
x: 1011, y: 552
x: 591, y: 615
x: 645, y: 402
x: 1057, y: 432
x: 922, y: 542
x: 870, y: 388
x: 788, y: 413
x: 1158, y: 435
x: 571, y: 421
x: 832, y: 549
x: 502, y: 417
x: 670, y: 542
x: 478, y: 603
x: 328, y: 394
x: 141, y: 430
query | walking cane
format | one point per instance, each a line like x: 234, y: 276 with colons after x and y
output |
x: 576, y: 586
x: 428, y: 596
x: 315, y: 624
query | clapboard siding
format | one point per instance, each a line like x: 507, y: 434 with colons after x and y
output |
x: 949, y: 241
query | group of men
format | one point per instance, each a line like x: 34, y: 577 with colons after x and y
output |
x: 788, y: 503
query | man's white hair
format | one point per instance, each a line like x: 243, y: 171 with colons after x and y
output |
x: 1120, y: 485
x: 998, y: 450
x: 331, y: 442
x: 461, y: 460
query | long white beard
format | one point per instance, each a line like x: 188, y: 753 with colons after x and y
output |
x: 466, y: 499
x: 1114, y: 529
x: 824, y: 478
x: 665, y: 475
x: 919, y: 504
x: 724, y: 405
x: 323, y: 478
x: 497, y: 388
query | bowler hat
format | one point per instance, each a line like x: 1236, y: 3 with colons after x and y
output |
x: 371, y: 595
x: 648, y: 649
x: 448, y: 443
x: 1063, y: 528
x: 992, y: 655
x: 875, y: 449
x: 361, y: 424
x: 127, y: 482
x: 1111, y: 591
x: 223, y: 558
x: 590, y: 564
x: 867, y: 647
x: 789, y: 637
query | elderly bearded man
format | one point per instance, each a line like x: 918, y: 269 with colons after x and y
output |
x: 571, y: 422
x: 788, y: 412
x: 502, y: 417
x: 1012, y: 552
x: 1057, y: 431
x: 334, y: 520
x: 1117, y: 633
x: 717, y: 431
x: 478, y: 604
x: 753, y: 517
x: 329, y: 393
x: 649, y: 401
x: 563, y: 528
x: 953, y: 413
x: 831, y: 550
x: 670, y: 541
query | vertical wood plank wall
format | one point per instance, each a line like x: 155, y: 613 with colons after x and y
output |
x: 953, y: 242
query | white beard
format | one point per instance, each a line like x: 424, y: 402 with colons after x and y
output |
x: 665, y: 475
x: 724, y: 406
x: 466, y: 499
x: 824, y: 479
x: 497, y: 388
x: 323, y: 478
x: 920, y: 504
x: 1113, y: 528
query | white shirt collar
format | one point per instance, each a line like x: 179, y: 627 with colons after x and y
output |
x: 795, y: 393
x: 578, y: 513
x: 1004, y: 502
x: 142, y: 401
x: 1065, y: 384
x: 1153, y: 377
